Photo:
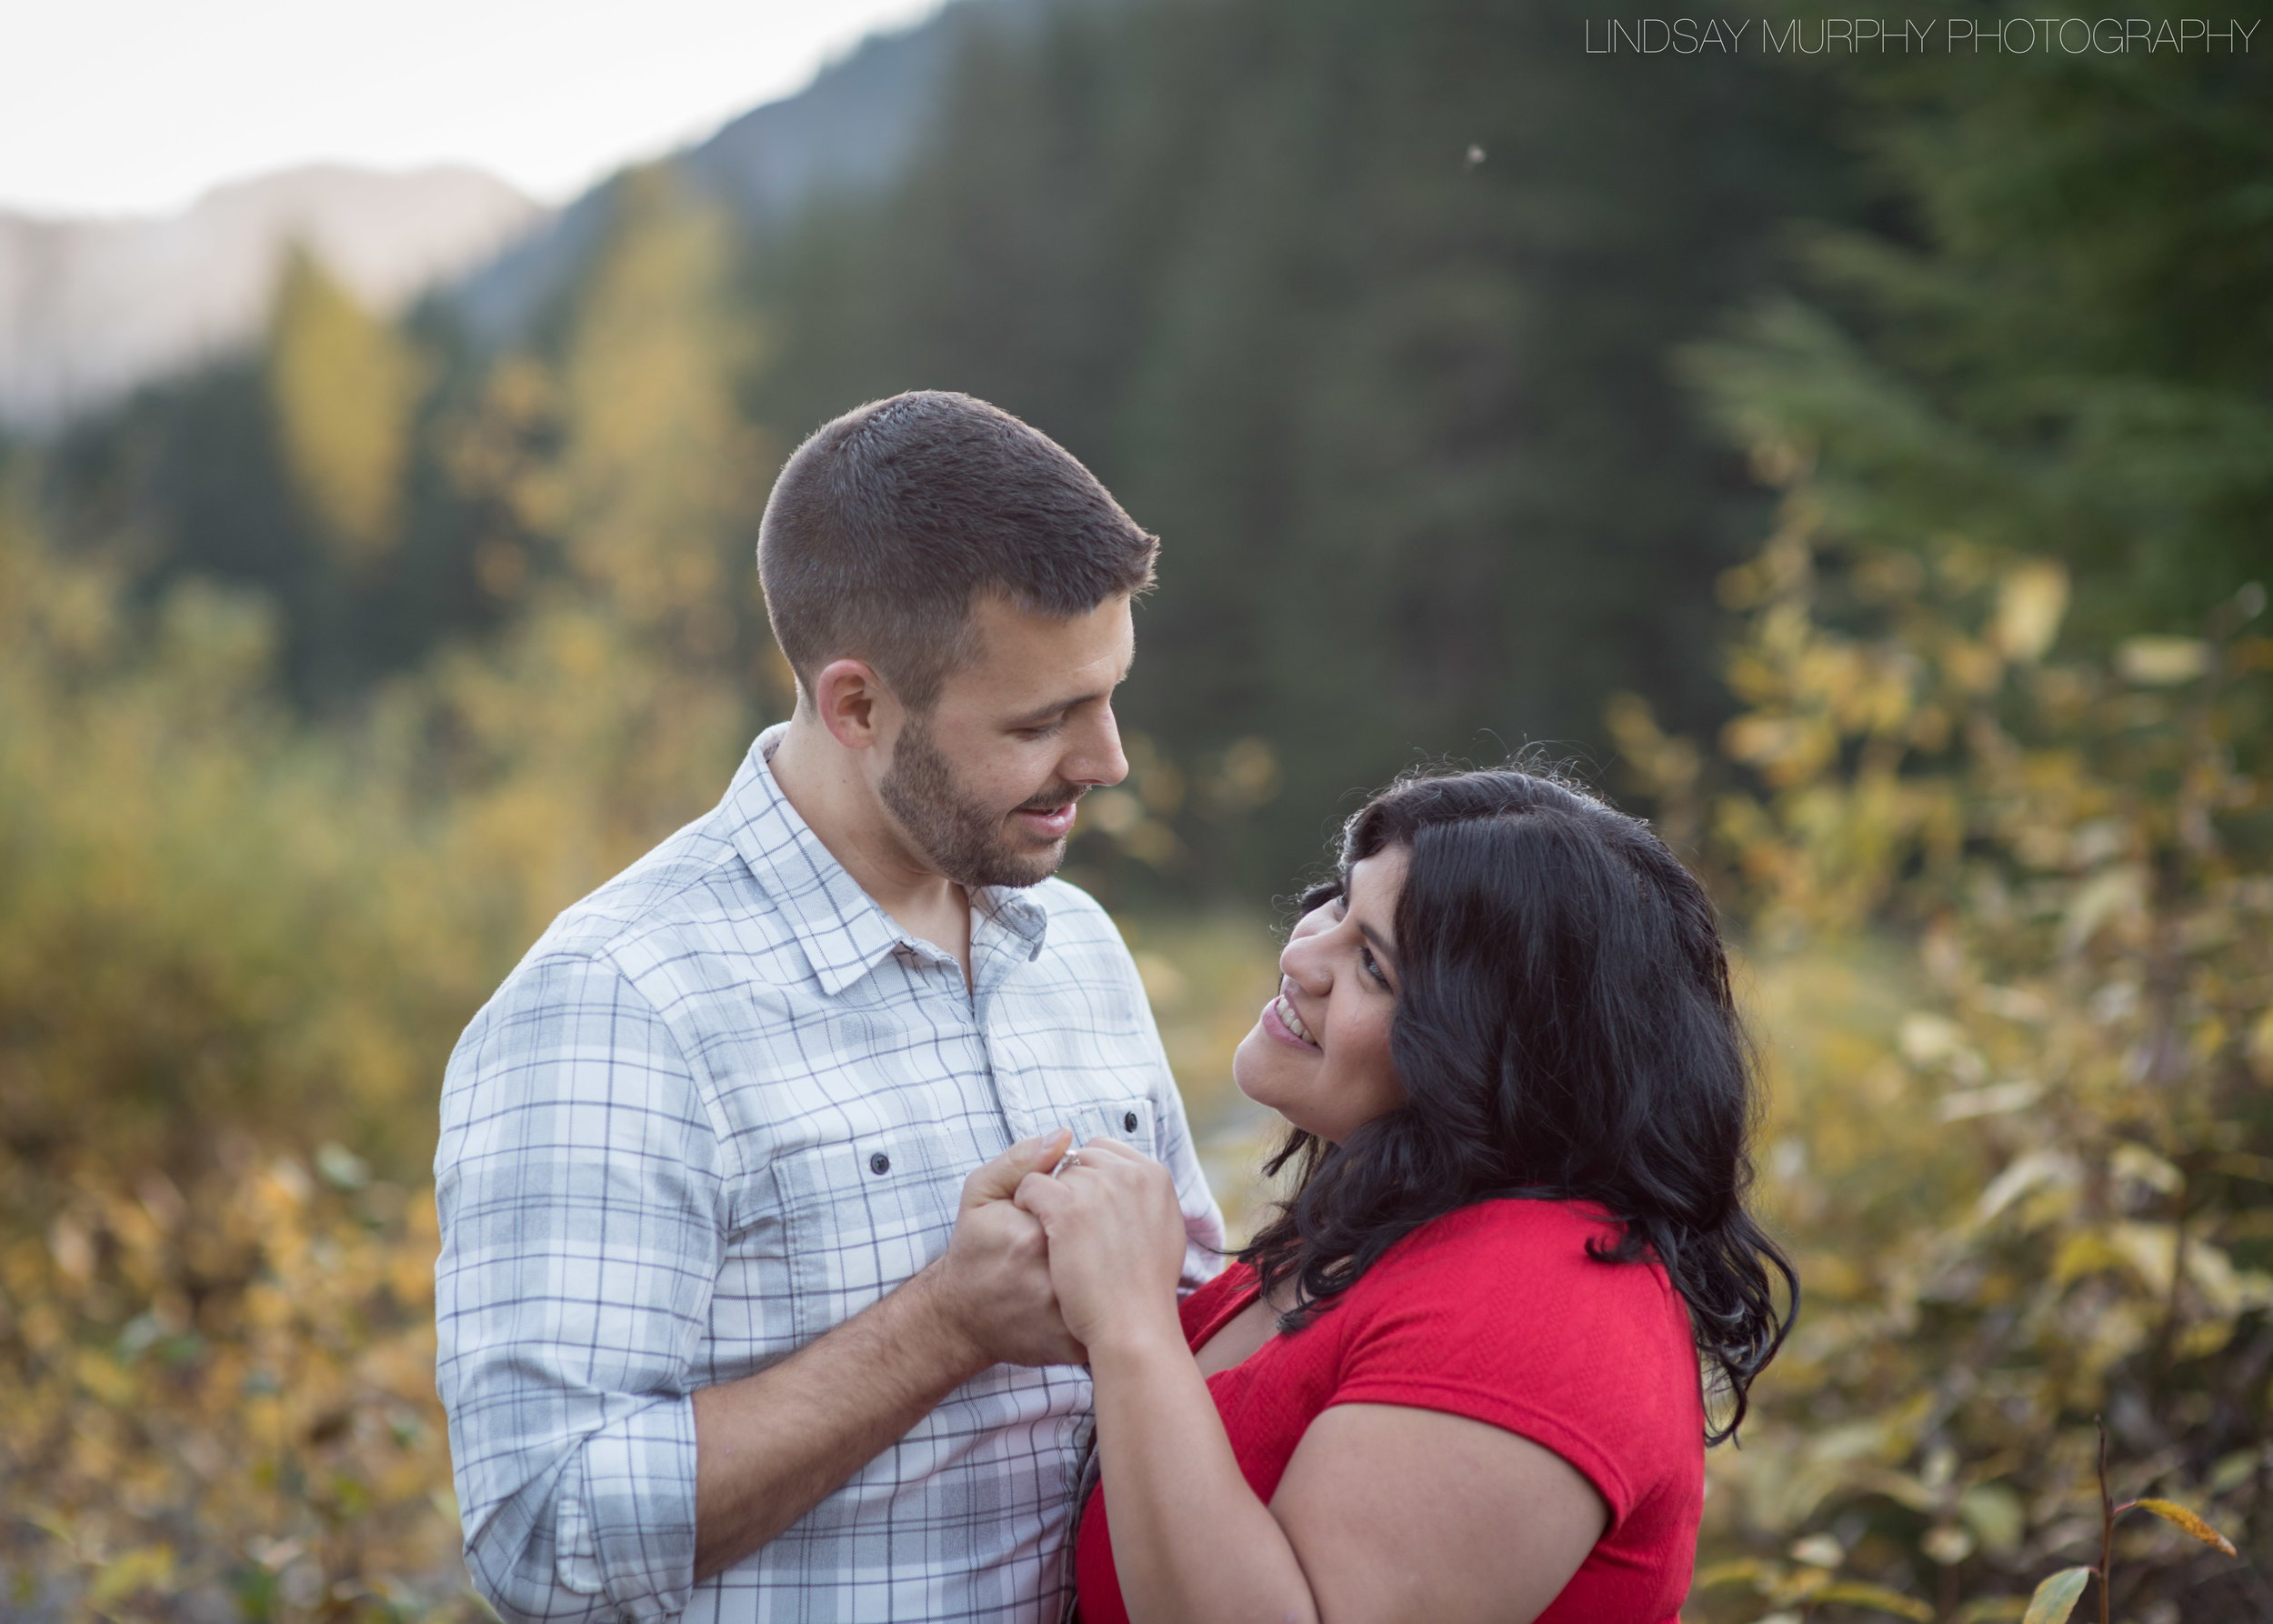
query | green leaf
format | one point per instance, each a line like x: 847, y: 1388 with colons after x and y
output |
x: 1994, y: 1514
x: 2056, y: 1597
x: 1857, y: 1593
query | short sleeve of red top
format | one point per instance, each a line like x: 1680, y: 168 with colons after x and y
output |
x: 1495, y: 1312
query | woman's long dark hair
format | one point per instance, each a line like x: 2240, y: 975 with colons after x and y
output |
x: 1564, y: 1031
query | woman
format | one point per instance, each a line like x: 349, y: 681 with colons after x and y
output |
x: 1457, y: 1378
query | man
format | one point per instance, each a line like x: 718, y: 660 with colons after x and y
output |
x: 730, y: 1324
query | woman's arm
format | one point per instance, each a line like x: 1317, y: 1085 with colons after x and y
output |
x: 1384, y: 1513
x: 1401, y: 1514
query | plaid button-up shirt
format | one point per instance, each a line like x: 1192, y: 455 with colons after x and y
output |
x: 725, y: 1104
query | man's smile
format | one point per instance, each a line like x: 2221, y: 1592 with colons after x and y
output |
x: 1046, y: 824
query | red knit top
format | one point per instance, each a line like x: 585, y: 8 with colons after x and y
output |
x: 1495, y: 1312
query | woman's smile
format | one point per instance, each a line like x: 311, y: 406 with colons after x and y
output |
x: 1284, y: 1022
x: 1334, y: 981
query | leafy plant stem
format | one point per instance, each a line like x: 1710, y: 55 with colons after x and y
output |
x: 2106, y: 1523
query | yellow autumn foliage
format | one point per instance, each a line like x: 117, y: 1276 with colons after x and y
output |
x: 344, y: 383
x: 232, y: 944
x: 223, y: 1399
x: 2009, y: 914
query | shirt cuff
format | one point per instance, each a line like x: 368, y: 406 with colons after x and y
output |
x: 626, y: 1514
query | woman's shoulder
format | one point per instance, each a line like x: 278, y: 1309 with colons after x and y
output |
x: 1507, y: 1312
x: 1515, y: 1255
x: 1539, y: 1229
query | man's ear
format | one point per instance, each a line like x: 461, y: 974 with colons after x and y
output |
x: 854, y: 704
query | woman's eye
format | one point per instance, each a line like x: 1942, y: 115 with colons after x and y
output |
x: 1373, y: 967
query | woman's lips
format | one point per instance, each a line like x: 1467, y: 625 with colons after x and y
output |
x: 1274, y: 1023
x: 1053, y: 825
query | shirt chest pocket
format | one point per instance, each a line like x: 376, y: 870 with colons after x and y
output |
x: 861, y: 1217
x: 1129, y: 1122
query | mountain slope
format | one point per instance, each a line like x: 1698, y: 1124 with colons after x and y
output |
x: 91, y: 308
x: 846, y: 134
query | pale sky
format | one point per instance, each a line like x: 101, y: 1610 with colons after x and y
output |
x: 137, y: 106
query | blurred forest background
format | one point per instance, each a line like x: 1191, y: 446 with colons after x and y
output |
x: 1863, y: 466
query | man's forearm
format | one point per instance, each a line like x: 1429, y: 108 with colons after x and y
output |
x: 771, y: 1447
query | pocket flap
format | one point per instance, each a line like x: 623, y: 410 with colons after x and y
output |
x: 1128, y: 1120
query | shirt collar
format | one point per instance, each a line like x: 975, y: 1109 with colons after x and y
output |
x: 840, y: 927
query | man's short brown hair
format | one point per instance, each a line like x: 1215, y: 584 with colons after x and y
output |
x: 888, y: 524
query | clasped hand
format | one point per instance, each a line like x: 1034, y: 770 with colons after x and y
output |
x: 1050, y: 1260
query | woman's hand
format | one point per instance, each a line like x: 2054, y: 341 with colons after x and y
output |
x: 1116, y: 1237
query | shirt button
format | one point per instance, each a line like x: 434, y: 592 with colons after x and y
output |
x: 1128, y: 1120
x: 879, y: 1163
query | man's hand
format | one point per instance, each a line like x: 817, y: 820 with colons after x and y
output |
x: 770, y: 1447
x: 991, y: 1290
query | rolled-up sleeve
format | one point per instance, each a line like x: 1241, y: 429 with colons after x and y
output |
x: 581, y: 1187
x: 1202, y: 1220
x: 1173, y: 1144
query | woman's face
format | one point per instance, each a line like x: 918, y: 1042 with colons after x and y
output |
x: 1320, y: 1055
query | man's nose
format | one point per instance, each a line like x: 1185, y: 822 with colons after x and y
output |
x: 1096, y: 758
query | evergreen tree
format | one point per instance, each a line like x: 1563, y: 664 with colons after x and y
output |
x: 2058, y: 340
x: 309, y: 471
x: 1367, y: 311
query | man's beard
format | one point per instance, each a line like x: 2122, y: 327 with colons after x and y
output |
x: 968, y: 843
